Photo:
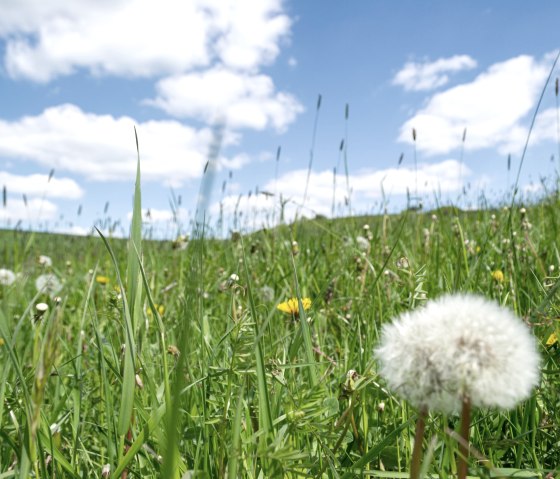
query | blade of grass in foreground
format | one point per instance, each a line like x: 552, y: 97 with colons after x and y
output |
x: 193, y: 311
x: 264, y: 400
x: 133, y: 280
x: 306, y: 333
x: 128, y: 383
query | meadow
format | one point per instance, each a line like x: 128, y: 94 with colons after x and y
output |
x: 169, y: 359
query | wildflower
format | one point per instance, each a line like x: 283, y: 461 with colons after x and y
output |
x: 106, y: 471
x: 455, y: 347
x: 552, y: 339
x: 180, y: 243
x: 454, y: 353
x: 267, y: 293
x: 48, y: 284
x: 498, y: 276
x: 7, y: 277
x: 231, y: 281
x: 103, y: 280
x: 362, y: 243
x: 55, y: 428
x: 160, y: 308
x: 173, y: 350
x: 2, y: 342
x: 44, y: 260
x: 295, y: 248
x: 403, y: 263
x: 292, y: 306
x: 41, y: 308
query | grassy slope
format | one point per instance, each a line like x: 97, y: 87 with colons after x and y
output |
x: 216, y: 327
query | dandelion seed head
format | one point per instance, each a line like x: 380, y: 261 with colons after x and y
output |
x: 362, y: 243
x: 44, y: 260
x: 7, y: 277
x: 267, y: 293
x: 48, y: 284
x: 456, y: 346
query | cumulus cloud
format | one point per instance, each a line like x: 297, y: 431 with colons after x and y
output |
x: 492, y: 107
x: 418, y: 76
x: 102, y: 147
x: 40, y: 185
x: 156, y: 215
x: 253, y: 211
x: 45, y: 40
x: 242, y: 100
x: 35, y: 209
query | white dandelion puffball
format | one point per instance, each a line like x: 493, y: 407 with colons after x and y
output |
x: 48, y: 284
x: 7, y: 277
x: 459, y: 346
x: 45, y: 260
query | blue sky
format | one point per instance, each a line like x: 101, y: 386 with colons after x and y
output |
x: 76, y: 77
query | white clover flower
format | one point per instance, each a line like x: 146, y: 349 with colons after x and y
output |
x: 48, y: 284
x: 455, y: 347
x: 7, y: 277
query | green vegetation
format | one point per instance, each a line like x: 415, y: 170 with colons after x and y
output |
x: 184, y: 363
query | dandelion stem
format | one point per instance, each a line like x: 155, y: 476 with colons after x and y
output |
x: 416, y: 461
x: 462, y: 462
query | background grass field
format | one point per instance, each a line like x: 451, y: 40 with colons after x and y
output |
x: 178, y: 369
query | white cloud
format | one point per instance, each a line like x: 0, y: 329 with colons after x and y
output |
x: 102, y: 147
x: 77, y: 230
x: 241, y: 100
x: 155, y: 215
x: 492, y: 107
x: 138, y: 37
x: 39, y: 185
x: 366, y: 186
x: 418, y: 76
x: 205, y: 55
x: 35, y: 210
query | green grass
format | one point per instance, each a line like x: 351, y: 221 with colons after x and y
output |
x: 220, y: 383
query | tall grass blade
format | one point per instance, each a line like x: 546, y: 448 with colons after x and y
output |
x: 128, y: 382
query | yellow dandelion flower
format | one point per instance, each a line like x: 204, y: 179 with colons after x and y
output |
x: 498, y: 276
x: 292, y: 306
x: 160, y: 308
x: 103, y: 280
x: 552, y: 339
